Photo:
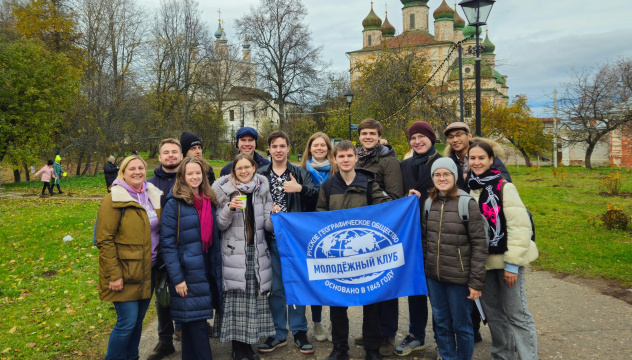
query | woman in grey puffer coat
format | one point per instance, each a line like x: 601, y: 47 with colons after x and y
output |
x: 246, y: 267
x: 454, y: 258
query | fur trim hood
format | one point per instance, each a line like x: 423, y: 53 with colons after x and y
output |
x: 499, y: 150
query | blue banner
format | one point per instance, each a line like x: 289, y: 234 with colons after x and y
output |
x: 352, y: 257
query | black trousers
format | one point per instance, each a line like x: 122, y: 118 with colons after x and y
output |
x: 48, y: 186
x: 195, y: 342
x: 370, y: 326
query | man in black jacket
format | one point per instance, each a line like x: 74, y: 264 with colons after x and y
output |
x: 192, y: 147
x: 292, y: 190
x: 247, y: 144
x: 110, y: 171
x: 170, y: 156
x: 459, y: 140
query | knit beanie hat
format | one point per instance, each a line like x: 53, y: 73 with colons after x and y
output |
x: 111, y: 159
x: 445, y: 163
x: 57, y: 158
x: 423, y: 128
x: 246, y: 130
x: 189, y: 140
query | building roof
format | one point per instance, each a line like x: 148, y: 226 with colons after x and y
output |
x: 443, y: 12
x: 372, y: 21
x: 406, y: 39
x: 387, y: 28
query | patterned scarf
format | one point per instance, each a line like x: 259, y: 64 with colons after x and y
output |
x: 318, y: 170
x: 365, y: 155
x: 491, y: 207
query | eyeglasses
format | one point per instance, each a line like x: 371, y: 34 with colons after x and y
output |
x: 444, y: 175
x: 243, y: 168
x: 459, y: 134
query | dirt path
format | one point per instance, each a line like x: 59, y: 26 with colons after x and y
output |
x: 574, y: 321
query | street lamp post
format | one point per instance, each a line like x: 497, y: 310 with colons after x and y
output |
x: 349, y: 97
x: 477, y: 12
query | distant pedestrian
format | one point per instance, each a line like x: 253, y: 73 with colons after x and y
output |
x: 110, y: 170
x: 510, y: 249
x: 58, y: 173
x: 48, y: 173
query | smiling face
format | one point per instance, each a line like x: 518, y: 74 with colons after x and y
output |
x: 319, y: 149
x: 247, y: 144
x: 193, y: 176
x: 346, y: 160
x: 135, y: 174
x: 195, y: 151
x: 279, y: 149
x: 459, y: 139
x: 244, y: 171
x: 170, y: 156
x: 369, y: 138
x: 480, y: 161
x: 443, y: 180
x: 420, y: 143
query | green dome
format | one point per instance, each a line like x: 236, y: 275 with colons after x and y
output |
x: 459, y: 23
x: 387, y: 28
x: 443, y: 12
x: 488, y: 46
x: 372, y: 21
x: 470, y: 30
x: 411, y: 3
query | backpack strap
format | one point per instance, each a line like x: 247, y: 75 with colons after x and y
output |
x: 427, y: 205
x: 464, y: 210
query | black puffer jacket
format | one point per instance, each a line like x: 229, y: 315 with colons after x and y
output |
x: 454, y: 253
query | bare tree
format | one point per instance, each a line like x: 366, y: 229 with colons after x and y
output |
x: 596, y: 103
x: 288, y: 63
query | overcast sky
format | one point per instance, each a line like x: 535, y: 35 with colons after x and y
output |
x: 538, y: 42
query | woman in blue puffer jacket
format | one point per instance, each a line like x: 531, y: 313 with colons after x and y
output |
x: 189, y: 241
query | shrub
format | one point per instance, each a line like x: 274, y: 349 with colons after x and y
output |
x: 611, y: 183
x: 613, y: 219
x: 560, y: 173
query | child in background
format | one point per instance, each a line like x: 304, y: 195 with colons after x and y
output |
x: 47, y: 173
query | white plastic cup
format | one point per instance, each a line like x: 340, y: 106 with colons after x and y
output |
x: 243, y: 200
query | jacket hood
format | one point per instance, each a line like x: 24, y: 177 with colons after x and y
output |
x: 122, y: 198
x: 224, y: 187
x: 499, y: 151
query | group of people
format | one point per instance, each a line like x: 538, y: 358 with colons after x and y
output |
x: 216, y: 241
x: 51, y: 174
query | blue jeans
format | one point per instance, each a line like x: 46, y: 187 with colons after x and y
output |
x: 451, y: 311
x: 418, y: 313
x: 508, y: 316
x: 125, y: 336
x: 281, y: 312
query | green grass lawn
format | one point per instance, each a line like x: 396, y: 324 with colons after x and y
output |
x: 49, y: 305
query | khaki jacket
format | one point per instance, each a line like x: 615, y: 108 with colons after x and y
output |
x: 124, y: 244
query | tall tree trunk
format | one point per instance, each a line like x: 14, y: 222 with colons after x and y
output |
x: 87, y: 168
x: 96, y: 165
x: 27, y: 172
x: 16, y: 175
x: 589, y: 151
x: 153, y: 150
x: 527, y: 160
x: 78, y: 172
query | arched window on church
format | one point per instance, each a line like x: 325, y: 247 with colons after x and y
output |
x: 369, y: 38
x: 412, y: 21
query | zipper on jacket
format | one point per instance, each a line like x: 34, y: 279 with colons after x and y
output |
x: 439, y: 240
x: 460, y: 259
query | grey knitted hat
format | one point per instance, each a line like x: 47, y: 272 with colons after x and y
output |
x: 445, y: 163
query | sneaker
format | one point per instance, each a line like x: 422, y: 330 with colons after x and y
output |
x: 359, y: 340
x: 178, y: 334
x: 161, y: 350
x: 301, y: 342
x: 319, y: 332
x: 408, y: 345
x: 477, y: 337
x: 372, y: 355
x: 271, y: 344
x: 338, y: 353
x: 387, y: 346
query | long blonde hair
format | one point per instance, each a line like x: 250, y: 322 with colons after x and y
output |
x: 182, y: 190
x: 330, y: 151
